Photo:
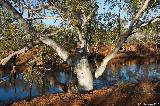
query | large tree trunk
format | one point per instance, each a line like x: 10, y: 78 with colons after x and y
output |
x: 82, y: 68
x: 83, y: 71
x: 84, y: 75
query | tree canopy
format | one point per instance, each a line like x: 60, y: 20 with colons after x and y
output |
x: 67, y: 24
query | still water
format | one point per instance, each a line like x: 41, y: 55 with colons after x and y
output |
x: 123, y: 70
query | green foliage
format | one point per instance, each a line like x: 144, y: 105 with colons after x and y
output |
x: 36, y: 76
x: 11, y: 34
x: 103, y: 28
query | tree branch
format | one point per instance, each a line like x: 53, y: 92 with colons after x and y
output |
x: 61, y: 52
x: 86, y: 19
x: 58, y: 10
x: 48, y: 17
x: 64, y: 55
x: 7, y: 5
x: 144, y: 23
x: 44, y: 6
x: 123, y: 38
x: 6, y: 60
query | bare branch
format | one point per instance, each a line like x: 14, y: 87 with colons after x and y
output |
x: 49, y: 17
x: 140, y: 11
x: 60, y: 51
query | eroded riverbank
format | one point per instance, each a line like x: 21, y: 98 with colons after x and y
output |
x: 144, y: 93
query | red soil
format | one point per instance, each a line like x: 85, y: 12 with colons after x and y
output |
x: 124, y: 95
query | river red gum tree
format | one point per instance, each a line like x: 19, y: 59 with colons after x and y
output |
x: 77, y: 15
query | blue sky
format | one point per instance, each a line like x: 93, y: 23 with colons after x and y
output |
x: 102, y: 9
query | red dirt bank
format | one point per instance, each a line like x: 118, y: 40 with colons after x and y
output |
x: 144, y: 93
x: 141, y: 94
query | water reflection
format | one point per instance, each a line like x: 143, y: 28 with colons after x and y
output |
x: 132, y: 71
x: 129, y: 71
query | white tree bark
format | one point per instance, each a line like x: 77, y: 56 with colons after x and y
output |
x: 124, y: 37
x: 82, y: 68
x: 84, y: 75
x: 6, y: 60
x: 60, y: 51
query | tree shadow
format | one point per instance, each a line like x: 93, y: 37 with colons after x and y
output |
x: 128, y: 95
